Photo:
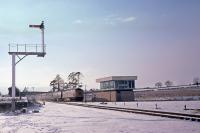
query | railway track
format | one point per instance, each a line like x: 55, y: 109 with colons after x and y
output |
x: 191, y: 117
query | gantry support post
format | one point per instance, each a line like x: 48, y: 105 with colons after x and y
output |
x: 13, y: 83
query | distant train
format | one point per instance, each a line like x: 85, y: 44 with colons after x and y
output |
x: 64, y: 95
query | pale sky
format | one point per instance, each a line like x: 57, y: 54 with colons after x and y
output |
x: 156, y: 40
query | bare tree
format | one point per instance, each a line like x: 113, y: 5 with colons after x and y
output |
x: 66, y: 86
x: 57, y: 83
x: 25, y: 89
x: 168, y: 83
x: 196, y: 81
x: 53, y: 84
x: 74, y: 79
x: 158, y: 84
x: 17, y: 92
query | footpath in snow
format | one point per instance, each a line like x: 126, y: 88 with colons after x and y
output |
x: 61, y: 118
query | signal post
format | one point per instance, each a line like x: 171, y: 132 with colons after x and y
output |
x: 21, y: 51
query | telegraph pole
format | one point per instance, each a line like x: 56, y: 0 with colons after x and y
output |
x: 85, y: 93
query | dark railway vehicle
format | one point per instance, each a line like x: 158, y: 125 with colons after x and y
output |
x: 72, y: 95
x: 65, y: 95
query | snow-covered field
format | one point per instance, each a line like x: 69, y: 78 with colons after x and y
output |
x: 192, y: 107
x: 56, y: 118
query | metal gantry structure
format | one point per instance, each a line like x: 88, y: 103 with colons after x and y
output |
x: 23, y: 50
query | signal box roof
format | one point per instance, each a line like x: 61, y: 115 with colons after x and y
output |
x: 116, y: 78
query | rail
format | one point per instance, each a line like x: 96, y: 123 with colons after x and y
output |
x: 181, y: 116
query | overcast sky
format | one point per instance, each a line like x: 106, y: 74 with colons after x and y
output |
x: 156, y: 40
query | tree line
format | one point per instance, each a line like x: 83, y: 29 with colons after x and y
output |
x: 73, y: 81
x: 168, y: 83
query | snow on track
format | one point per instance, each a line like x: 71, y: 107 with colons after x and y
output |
x: 193, y: 107
x: 56, y: 118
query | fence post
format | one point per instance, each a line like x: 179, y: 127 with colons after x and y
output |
x: 185, y: 107
x: 156, y: 106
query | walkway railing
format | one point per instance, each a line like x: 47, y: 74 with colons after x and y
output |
x: 27, y: 48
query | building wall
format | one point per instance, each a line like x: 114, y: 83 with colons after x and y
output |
x: 190, y: 93
x: 104, y: 96
x: 126, y: 96
x: 110, y: 95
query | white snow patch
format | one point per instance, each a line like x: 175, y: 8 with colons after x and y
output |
x: 61, y: 118
x: 192, y: 107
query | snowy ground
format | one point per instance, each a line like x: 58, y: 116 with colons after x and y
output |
x: 56, y: 118
x: 192, y: 107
